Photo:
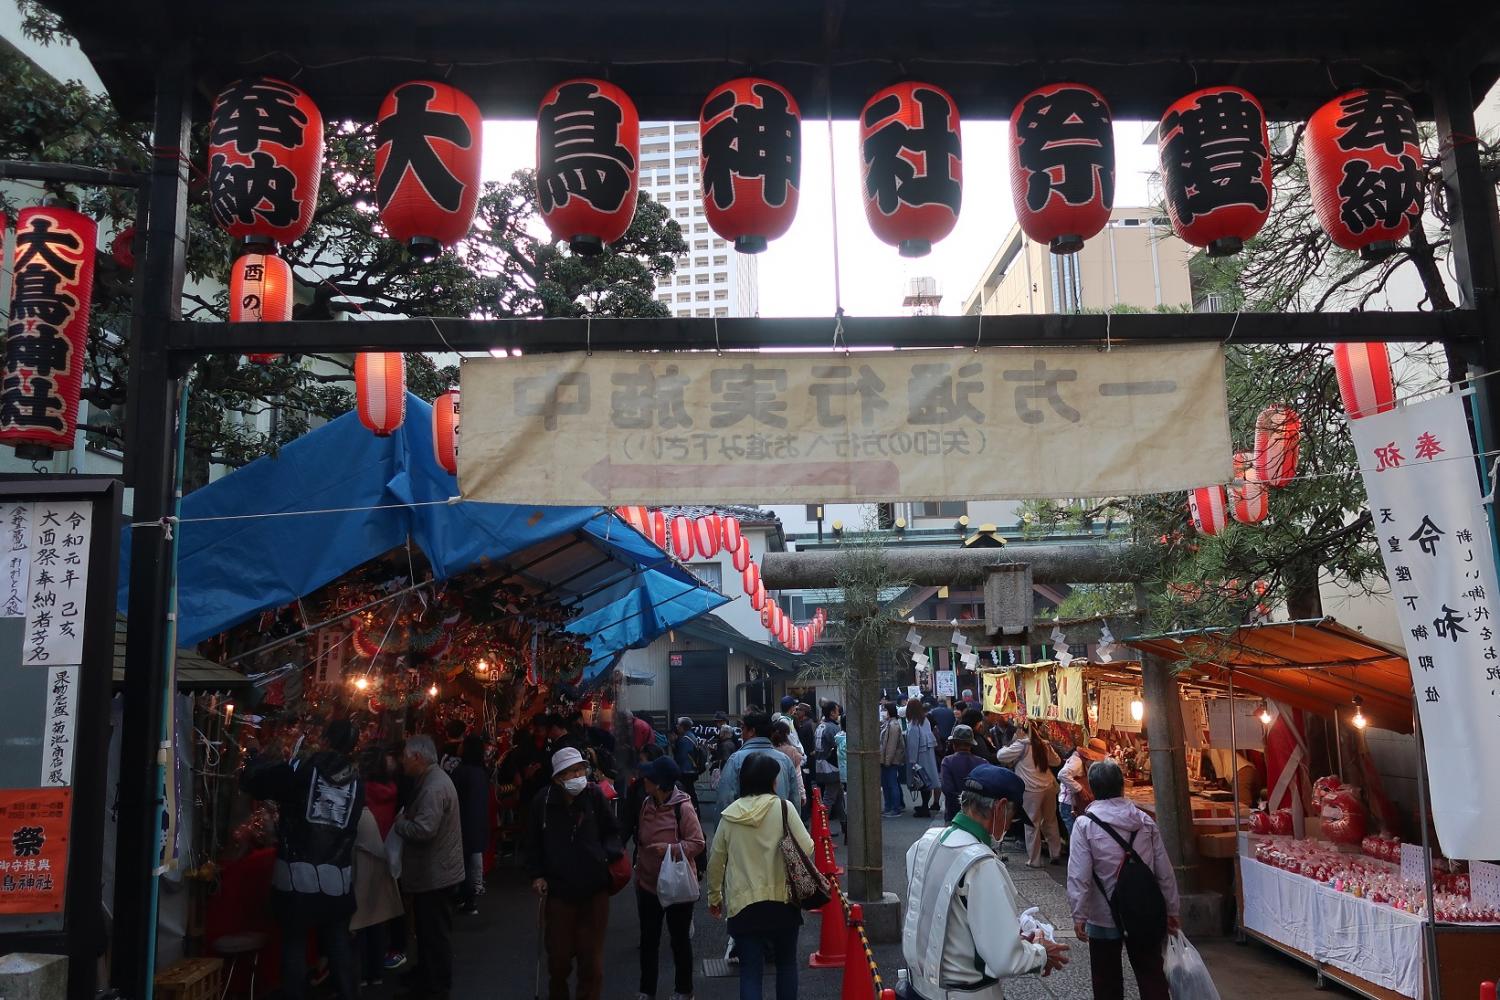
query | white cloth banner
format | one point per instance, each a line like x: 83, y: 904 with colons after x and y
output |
x: 1434, y: 536
x: 1375, y: 942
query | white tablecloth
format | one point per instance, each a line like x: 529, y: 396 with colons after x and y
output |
x: 1372, y: 941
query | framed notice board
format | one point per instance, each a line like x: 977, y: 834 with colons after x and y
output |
x: 59, y: 563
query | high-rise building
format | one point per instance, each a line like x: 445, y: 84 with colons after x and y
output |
x: 711, y: 279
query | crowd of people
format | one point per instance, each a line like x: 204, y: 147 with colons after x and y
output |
x: 394, y: 839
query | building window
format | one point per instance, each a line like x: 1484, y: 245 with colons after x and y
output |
x: 681, y: 178
x: 703, y: 312
x: 721, y: 294
x: 947, y: 508
x: 701, y: 279
x: 702, y: 296
x: 700, y: 261
x: 700, y: 244
x: 722, y: 311
x: 654, y: 132
x: 720, y: 275
x: 721, y: 261
x: 680, y: 196
x: 664, y: 298
x: 719, y: 244
x: 684, y: 313
x: 683, y: 279
x: 710, y: 573
x: 682, y: 213
x: 701, y: 227
x: 684, y: 296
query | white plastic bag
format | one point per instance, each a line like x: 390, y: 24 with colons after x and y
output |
x: 678, y: 881
x: 394, y: 842
x: 1187, y: 976
x: 1033, y: 924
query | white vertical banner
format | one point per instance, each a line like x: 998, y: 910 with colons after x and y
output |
x: 60, y: 730
x: 15, y: 544
x: 59, y: 582
x: 1434, y: 536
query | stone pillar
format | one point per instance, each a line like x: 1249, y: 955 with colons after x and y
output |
x: 866, y: 845
x: 28, y: 976
x: 1169, y: 779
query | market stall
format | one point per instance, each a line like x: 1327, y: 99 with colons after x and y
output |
x: 1314, y: 878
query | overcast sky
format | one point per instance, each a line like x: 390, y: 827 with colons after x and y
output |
x: 796, y: 272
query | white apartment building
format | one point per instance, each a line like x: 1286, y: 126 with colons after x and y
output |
x: 712, y: 280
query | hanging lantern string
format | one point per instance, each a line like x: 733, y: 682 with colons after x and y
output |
x: 833, y: 205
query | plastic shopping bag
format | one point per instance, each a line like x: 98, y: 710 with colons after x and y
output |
x: 678, y: 881
x: 1187, y: 976
x: 394, y: 842
x: 1032, y: 924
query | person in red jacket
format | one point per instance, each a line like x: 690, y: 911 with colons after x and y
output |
x: 667, y: 821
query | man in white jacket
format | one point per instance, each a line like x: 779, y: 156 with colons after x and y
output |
x: 962, y: 931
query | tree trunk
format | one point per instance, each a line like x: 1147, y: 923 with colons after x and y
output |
x: 1169, y: 780
x: 1303, y: 600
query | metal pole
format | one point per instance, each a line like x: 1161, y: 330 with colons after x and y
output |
x: 1429, y: 926
x: 153, y: 411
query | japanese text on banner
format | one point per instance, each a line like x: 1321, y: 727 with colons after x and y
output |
x: 1434, y: 537
x: 59, y: 582
x: 908, y: 425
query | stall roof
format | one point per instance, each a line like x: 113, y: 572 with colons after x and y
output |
x: 285, y: 525
x: 712, y: 628
x: 195, y: 674
x: 1316, y: 665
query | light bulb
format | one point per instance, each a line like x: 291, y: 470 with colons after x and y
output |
x: 1265, y: 716
x: 1359, y: 719
x: 482, y: 667
x: 361, y: 683
x: 1137, y: 709
x: 229, y: 712
x: 432, y: 690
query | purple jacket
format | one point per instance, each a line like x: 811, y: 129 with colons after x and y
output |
x: 1092, y: 851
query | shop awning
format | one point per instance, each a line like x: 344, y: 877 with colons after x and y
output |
x: 1316, y: 665
x: 285, y: 525
x: 712, y: 628
x: 195, y: 674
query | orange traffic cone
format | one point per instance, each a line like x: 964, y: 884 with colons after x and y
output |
x: 824, y: 859
x: 887, y: 995
x: 819, y: 818
x: 833, y: 936
x: 859, y: 974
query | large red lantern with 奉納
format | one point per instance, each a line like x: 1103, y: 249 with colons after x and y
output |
x: 1216, y: 168
x: 588, y: 138
x: 445, y: 414
x: 1249, y: 500
x: 380, y: 390
x: 52, y: 283
x: 260, y: 291
x: 427, y: 165
x: 1365, y: 382
x: 911, y: 155
x: 1364, y: 166
x: 265, y: 154
x: 750, y: 160
x: 1062, y: 164
x: 1278, y: 444
x: 1209, y: 510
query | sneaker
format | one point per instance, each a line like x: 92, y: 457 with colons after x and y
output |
x: 395, y: 959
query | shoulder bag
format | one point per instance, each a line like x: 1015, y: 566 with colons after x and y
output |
x: 807, y: 887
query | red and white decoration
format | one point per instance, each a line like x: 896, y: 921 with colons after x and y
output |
x: 260, y: 291
x: 380, y: 390
x: 1249, y: 500
x: 1365, y: 381
x: 683, y: 534
x: 730, y: 534
x: 740, y: 554
x: 1278, y: 442
x: 1209, y: 509
x: 658, y: 532
x: 750, y: 578
x: 638, y: 517
x: 706, y: 531
x: 445, y: 430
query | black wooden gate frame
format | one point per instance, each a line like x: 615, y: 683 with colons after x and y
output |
x: 164, y: 59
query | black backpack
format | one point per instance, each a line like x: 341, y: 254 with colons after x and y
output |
x: 1139, y: 908
x: 700, y: 759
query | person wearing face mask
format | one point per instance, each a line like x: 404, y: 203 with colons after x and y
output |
x: 570, y: 843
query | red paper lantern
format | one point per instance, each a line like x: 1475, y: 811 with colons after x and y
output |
x: 659, y: 529
x: 265, y: 152
x: 1216, y: 168
x: 1365, y: 381
x: 1278, y: 438
x: 1249, y: 500
x: 682, y: 537
x: 740, y: 554
x: 757, y: 595
x: 445, y: 414
x: 750, y: 578
x: 380, y: 390
x: 121, y: 248
x: 588, y: 141
x: 427, y: 155
x: 767, y: 615
x: 912, y: 156
x: 1208, y: 509
x: 730, y: 534
x: 1062, y: 164
x: 1364, y: 166
x: 260, y: 291
x: 706, y: 535
x: 52, y: 284
x: 638, y: 518
x: 750, y: 161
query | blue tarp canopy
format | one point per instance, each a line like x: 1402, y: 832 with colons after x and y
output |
x: 251, y: 541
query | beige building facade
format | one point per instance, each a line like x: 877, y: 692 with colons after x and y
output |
x: 1136, y: 261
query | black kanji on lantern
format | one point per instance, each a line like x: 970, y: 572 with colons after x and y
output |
x: 256, y: 111
x: 1216, y: 148
x: 36, y: 348
x: 891, y: 178
x: 261, y: 190
x: 752, y: 142
x: 1067, y: 145
x: 1376, y: 118
x: 579, y: 149
x: 1379, y: 196
x: 410, y: 131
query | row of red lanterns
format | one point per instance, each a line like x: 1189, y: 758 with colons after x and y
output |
x: 1363, y: 158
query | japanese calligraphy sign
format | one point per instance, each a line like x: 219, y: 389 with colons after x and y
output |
x: 59, y: 570
x: 53, y: 282
x: 911, y: 149
x: 1434, y: 537
x: 265, y: 154
x: 751, y: 161
x: 998, y: 692
x: 1364, y: 165
x: 427, y: 164
x: 1062, y: 164
x: 780, y: 428
x: 34, y: 838
x: 1114, y: 710
x: 1216, y: 168
x: 588, y: 139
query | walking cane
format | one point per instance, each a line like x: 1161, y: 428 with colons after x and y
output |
x: 541, y: 944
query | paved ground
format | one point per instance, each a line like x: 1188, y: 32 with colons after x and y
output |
x: 496, y: 950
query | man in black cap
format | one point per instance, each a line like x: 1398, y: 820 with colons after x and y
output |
x: 956, y: 883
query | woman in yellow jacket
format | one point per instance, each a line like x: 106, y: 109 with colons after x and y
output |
x: 747, y: 878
